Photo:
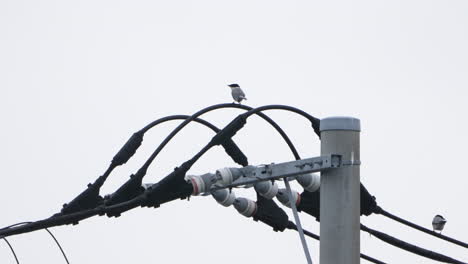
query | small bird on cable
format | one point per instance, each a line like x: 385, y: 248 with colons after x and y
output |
x: 438, y: 223
x: 237, y: 93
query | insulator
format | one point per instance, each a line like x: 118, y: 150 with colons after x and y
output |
x: 224, y: 197
x: 266, y: 189
x: 283, y: 197
x: 200, y: 184
x: 245, y: 206
x: 310, y: 182
x: 226, y: 176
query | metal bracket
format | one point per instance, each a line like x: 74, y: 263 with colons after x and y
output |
x: 253, y: 174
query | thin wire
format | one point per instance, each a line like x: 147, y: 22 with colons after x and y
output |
x: 292, y: 203
x: 291, y: 225
x: 381, y: 211
x: 48, y: 231
x: 12, y: 250
x: 410, y: 247
x: 58, y: 244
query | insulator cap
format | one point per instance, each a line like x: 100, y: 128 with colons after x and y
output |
x: 266, y: 189
x: 197, y: 184
x: 200, y: 184
x: 310, y: 182
x: 283, y: 197
x: 226, y: 176
x: 224, y: 197
x: 245, y: 206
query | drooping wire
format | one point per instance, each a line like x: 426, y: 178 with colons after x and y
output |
x: 48, y: 231
x: 385, y: 213
x: 292, y: 226
x: 12, y: 250
x: 58, y: 244
x: 410, y: 247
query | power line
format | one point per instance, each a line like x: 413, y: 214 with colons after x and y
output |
x: 90, y: 197
x: 58, y: 244
x: 410, y: 247
x: 92, y: 193
x: 173, y: 186
x: 310, y: 203
x: 46, y: 229
x: 12, y: 250
x: 381, y: 211
x: 291, y: 225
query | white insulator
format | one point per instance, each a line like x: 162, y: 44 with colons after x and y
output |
x: 245, y: 206
x: 225, y: 176
x: 197, y: 183
x: 266, y: 189
x: 224, y: 197
x: 310, y: 182
x: 283, y: 197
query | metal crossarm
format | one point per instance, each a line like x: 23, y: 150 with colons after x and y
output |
x: 253, y: 174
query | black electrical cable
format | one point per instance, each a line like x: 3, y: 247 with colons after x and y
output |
x: 132, y: 187
x: 11, y: 249
x: 48, y: 231
x: 232, y: 128
x: 174, y: 183
x: 204, y: 111
x: 381, y: 211
x: 75, y: 217
x: 176, y: 177
x: 90, y: 198
x: 83, y: 214
x: 291, y: 225
x: 410, y: 247
x: 142, y: 171
x: 269, y: 213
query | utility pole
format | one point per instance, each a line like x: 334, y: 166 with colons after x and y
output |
x: 339, y: 192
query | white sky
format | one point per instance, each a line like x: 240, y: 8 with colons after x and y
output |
x: 78, y: 77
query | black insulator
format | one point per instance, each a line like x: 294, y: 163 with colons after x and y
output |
x: 172, y: 187
x: 368, y: 203
x: 129, y: 190
x: 310, y: 203
x: 230, y: 130
x: 235, y: 153
x: 88, y: 199
x: 127, y: 151
x: 271, y: 214
x: 316, y: 126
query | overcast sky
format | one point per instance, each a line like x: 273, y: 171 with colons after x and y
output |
x: 78, y: 77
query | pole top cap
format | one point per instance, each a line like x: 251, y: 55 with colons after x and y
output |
x: 340, y: 123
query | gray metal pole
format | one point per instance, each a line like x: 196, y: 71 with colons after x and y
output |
x: 339, y: 192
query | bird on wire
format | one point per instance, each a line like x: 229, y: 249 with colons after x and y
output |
x: 237, y: 93
x: 438, y: 223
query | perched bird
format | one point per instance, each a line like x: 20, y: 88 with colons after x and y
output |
x: 237, y: 93
x: 438, y: 223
